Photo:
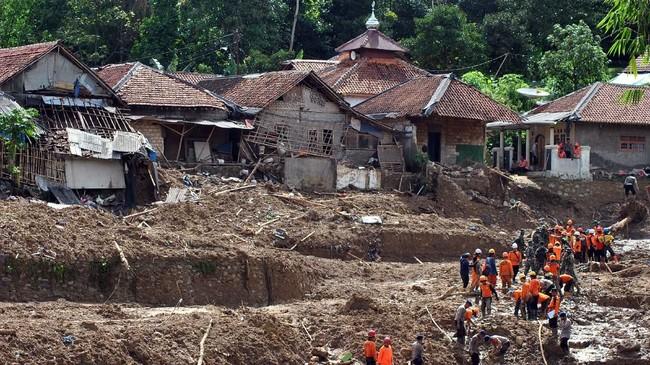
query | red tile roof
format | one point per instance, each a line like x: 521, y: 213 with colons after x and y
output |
x: 372, y: 39
x: 255, y: 91
x: 142, y: 85
x: 369, y: 77
x: 641, y: 66
x: 193, y: 77
x: 308, y: 65
x: 113, y: 74
x: 17, y: 59
x: 440, y: 95
x: 602, y: 103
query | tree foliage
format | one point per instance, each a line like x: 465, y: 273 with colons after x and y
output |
x: 17, y: 128
x: 503, y: 89
x: 575, y: 60
x: 446, y: 40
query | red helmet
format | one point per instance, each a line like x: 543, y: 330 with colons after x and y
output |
x: 387, y: 341
x: 372, y: 333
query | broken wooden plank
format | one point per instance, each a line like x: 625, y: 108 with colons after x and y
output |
x: 435, y: 323
x: 418, y: 260
x: 140, y: 213
x: 122, y: 256
x: 220, y: 192
x: 307, y: 236
x: 202, y: 344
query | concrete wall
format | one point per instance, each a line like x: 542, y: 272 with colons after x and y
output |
x: 360, y: 178
x: 154, y: 132
x: 94, y: 174
x: 605, y: 142
x: 303, y: 109
x: 569, y: 168
x: 310, y: 173
x: 453, y: 131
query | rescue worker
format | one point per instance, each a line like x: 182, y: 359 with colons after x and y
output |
x: 501, y: 344
x: 530, y: 258
x: 487, y: 290
x: 540, y: 257
x: 554, y: 267
x: 470, y: 314
x: 591, y: 249
x: 566, y: 284
x: 569, y: 228
x: 568, y: 267
x: 555, y: 235
x: 370, y: 348
x: 515, y: 259
x: 630, y: 185
x: 506, y: 272
x: 608, y: 239
x: 565, y: 326
x: 534, y: 289
x: 417, y: 351
x: 557, y: 248
x: 459, y: 321
x: 385, y: 355
x: 547, y: 283
x: 599, y: 245
x: 490, y: 268
x: 476, y: 269
x: 520, y: 299
x: 583, y: 246
x: 577, y: 246
x: 474, y: 347
x: 464, y: 269
x: 553, y: 311
x: 543, y: 302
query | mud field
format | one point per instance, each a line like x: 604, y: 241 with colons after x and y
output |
x: 279, y: 277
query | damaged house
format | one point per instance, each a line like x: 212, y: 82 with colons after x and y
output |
x: 307, y: 131
x: 441, y: 117
x: 84, y: 143
x: 183, y: 122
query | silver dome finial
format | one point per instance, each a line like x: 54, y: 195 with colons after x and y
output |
x: 372, y: 22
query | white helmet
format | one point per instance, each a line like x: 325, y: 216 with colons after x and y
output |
x: 592, y: 231
x: 576, y: 233
x: 514, y: 246
x: 478, y: 251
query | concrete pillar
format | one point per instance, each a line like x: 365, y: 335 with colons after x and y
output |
x: 551, y: 136
x: 500, y: 154
x: 519, y: 154
x: 528, y: 147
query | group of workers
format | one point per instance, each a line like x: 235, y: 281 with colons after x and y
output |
x: 537, y: 281
x: 548, y: 277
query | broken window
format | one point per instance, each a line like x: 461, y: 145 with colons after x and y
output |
x: 313, y: 140
x: 282, y: 130
x: 328, y: 139
x: 632, y: 144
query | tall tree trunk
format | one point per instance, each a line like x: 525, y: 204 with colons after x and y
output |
x: 293, y: 28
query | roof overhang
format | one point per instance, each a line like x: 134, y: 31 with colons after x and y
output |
x: 223, y: 124
x: 505, y: 125
x: 546, y: 118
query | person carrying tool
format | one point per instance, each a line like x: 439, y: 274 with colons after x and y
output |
x: 487, y: 290
x: 370, y: 348
x: 515, y: 259
x: 534, y: 290
x: 417, y: 351
x: 501, y: 344
x: 565, y: 327
x: 474, y: 347
x: 490, y: 268
x: 506, y: 272
x: 464, y: 269
x: 470, y: 314
x: 459, y: 321
x: 385, y: 355
x: 553, y: 311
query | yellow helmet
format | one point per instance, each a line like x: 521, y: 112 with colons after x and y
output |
x: 492, y: 251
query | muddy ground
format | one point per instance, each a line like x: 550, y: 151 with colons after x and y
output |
x: 279, y: 275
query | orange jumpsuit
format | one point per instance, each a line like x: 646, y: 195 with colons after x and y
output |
x: 385, y: 356
x: 555, y: 269
x: 370, y: 350
x: 506, y: 273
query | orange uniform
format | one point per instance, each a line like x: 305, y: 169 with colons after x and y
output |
x: 370, y: 349
x: 554, y: 305
x: 486, y: 290
x: 597, y: 243
x: 525, y: 290
x: 535, y: 286
x: 542, y: 298
x: 557, y: 251
x: 554, y: 268
x: 505, y: 272
x: 385, y: 356
x: 514, y: 257
x: 516, y: 295
x: 577, y: 245
x: 566, y: 278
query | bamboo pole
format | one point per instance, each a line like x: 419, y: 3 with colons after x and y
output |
x: 202, y: 344
x: 541, y: 345
x: 434, y: 322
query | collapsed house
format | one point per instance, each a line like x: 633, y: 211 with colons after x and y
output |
x: 308, y: 132
x: 84, y: 142
x: 183, y: 122
x: 442, y: 118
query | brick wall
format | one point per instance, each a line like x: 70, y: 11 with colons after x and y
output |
x: 453, y: 132
x: 154, y: 133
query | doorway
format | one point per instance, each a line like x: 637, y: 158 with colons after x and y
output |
x: 434, y: 146
x: 540, y: 151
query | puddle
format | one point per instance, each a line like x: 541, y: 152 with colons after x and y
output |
x: 626, y: 246
x: 603, y: 329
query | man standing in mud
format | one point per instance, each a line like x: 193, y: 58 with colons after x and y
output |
x: 459, y: 321
x: 567, y: 266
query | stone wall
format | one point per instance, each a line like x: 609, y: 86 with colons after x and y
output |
x: 567, y: 189
x: 153, y: 132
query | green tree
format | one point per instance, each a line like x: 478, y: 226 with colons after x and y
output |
x: 575, y: 60
x: 503, y: 89
x: 158, y: 33
x: 445, y: 40
x: 101, y: 31
x: 16, y: 129
x: 507, y: 32
x: 629, y: 22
